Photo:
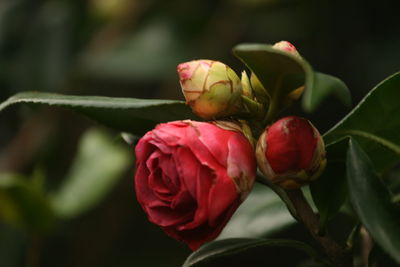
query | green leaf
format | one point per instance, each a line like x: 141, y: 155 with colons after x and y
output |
x: 23, y: 204
x: 229, y: 247
x: 98, y: 166
x: 13, y: 245
x: 371, y: 201
x: 144, y: 56
x: 375, y: 124
x: 323, y: 86
x: 261, y: 214
x: 268, y: 63
x: 132, y: 115
x: 333, y: 179
x: 378, y: 257
x: 281, y: 71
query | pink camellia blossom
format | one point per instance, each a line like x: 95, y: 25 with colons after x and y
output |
x: 191, y: 177
x: 291, y: 152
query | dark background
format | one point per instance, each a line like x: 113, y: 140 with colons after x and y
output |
x: 130, y: 48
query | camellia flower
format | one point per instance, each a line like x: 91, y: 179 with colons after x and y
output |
x: 191, y: 176
x: 211, y: 88
x: 291, y: 152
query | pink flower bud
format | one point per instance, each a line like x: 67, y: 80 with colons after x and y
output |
x: 211, y: 88
x: 191, y: 176
x: 287, y: 47
x: 291, y: 152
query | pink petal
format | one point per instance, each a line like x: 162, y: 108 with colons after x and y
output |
x: 161, y: 214
x: 144, y: 194
x: 221, y: 197
x: 241, y: 159
x: 200, y: 151
x: 143, y: 149
x: 196, y: 237
x: 216, y: 141
x: 204, y: 180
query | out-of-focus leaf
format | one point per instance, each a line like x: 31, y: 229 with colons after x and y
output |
x: 12, y: 246
x: 281, y: 72
x: 262, y: 213
x: 229, y: 247
x: 98, y: 166
x: 329, y: 192
x: 23, y: 204
x: 132, y: 115
x: 375, y: 124
x: 45, y: 54
x: 378, y: 257
x: 150, y: 54
x: 371, y: 201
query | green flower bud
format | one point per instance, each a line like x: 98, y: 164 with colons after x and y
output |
x: 247, y: 90
x: 211, y: 88
x: 259, y: 90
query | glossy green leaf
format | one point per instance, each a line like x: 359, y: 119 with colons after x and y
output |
x: 333, y: 179
x: 283, y: 72
x: 371, y: 201
x: 261, y: 214
x: 23, y: 204
x: 132, y: 115
x: 325, y: 85
x: 229, y: 247
x: 268, y: 64
x: 98, y: 166
x: 375, y: 124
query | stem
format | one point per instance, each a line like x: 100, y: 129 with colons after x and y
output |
x: 274, y: 104
x: 280, y: 192
x: 34, y: 251
x: 338, y: 256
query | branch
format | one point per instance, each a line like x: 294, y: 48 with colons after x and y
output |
x: 338, y: 255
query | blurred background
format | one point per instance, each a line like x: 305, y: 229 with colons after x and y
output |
x: 49, y: 215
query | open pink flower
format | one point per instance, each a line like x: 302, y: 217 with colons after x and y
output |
x: 191, y: 177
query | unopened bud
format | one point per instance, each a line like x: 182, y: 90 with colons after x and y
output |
x: 246, y: 86
x: 287, y: 47
x: 259, y: 90
x: 211, y: 88
x: 291, y: 152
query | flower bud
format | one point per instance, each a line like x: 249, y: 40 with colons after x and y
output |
x: 291, y: 152
x: 259, y: 90
x: 211, y: 88
x: 246, y: 86
x: 287, y: 47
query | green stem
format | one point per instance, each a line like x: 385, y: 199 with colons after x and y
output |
x: 336, y: 254
x: 352, y: 235
x: 274, y: 104
x: 253, y: 107
x: 280, y: 192
x: 34, y: 251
